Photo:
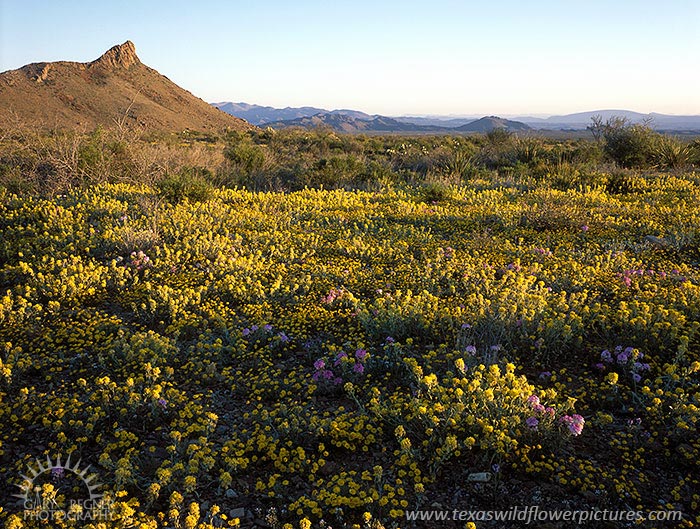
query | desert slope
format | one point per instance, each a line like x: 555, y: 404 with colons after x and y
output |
x: 117, y: 87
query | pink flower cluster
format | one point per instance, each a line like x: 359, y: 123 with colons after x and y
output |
x: 534, y: 402
x: 574, y: 422
x: 140, y: 260
x: 333, y: 294
x: 538, y: 408
x: 627, y: 275
x: 322, y: 372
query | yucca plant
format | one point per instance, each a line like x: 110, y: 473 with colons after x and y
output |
x: 670, y: 153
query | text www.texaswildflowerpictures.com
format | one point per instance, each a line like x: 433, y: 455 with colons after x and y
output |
x: 533, y: 513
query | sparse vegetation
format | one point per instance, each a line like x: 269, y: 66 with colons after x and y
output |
x: 288, y: 160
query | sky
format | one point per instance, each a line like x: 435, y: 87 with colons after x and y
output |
x: 432, y: 57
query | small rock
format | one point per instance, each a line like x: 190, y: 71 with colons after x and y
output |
x: 237, y: 513
x: 480, y: 477
x: 230, y: 493
x: 656, y: 241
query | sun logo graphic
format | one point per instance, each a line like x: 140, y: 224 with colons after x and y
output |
x: 62, y: 490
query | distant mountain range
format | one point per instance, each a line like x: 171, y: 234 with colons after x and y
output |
x: 581, y: 120
x: 355, y: 121
x: 344, y: 120
x: 348, y: 123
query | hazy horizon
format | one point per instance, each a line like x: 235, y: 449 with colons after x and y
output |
x: 462, y: 115
x: 452, y: 58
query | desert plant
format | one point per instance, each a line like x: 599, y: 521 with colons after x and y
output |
x: 670, y: 153
x: 188, y: 184
x: 627, y: 144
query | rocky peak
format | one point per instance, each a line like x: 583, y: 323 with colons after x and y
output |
x: 119, y: 56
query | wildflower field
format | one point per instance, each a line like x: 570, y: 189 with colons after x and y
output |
x: 338, y: 358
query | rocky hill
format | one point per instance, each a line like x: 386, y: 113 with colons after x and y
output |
x: 489, y: 123
x: 117, y: 88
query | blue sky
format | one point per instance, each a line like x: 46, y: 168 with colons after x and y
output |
x: 389, y: 57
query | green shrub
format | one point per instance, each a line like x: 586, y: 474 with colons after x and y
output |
x: 625, y: 182
x: 629, y: 145
x: 189, y: 184
x: 671, y: 153
x: 433, y: 192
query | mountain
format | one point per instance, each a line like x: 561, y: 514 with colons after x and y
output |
x: 489, y: 123
x: 580, y: 120
x: 354, y: 114
x: 437, y: 121
x: 116, y: 88
x: 347, y: 123
x: 260, y: 115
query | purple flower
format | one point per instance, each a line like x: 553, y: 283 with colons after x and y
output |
x: 623, y: 357
x: 283, y: 337
x: 544, y: 375
x: 538, y: 408
x: 319, y: 364
x: 57, y: 473
x: 532, y: 422
x: 550, y: 411
x: 533, y: 400
x: 466, y: 326
x: 361, y: 354
x: 267, y: 327
x: 389, y: 339
x: 246, y: 331
x: 574, y: 423
x: 636, y: 377
x: 254, y: 328
x: 163, y: 403
x: 600, y: 366
x: 496, y: 468
x: 605, y: 356
x: 584, y: 228
x: 339, y: 358
x: 471, y: 350
x: 358, y: 368
x: 337, y: 381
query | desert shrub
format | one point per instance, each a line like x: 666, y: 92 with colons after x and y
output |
x: 188, y: 184
x: 246, y: 156
x: 433, y: 192
x: 629, y: 145
x: 336, y: 171
x: 498, y: 151
x: 671, y: 153
x: 625, y: 182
